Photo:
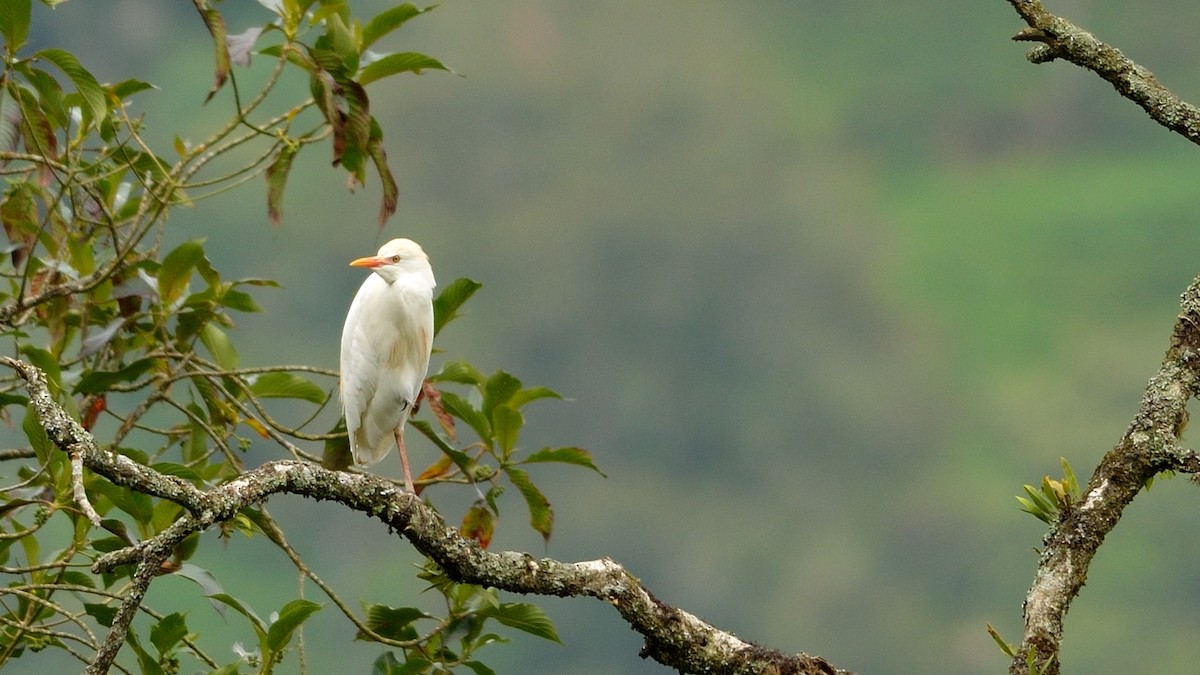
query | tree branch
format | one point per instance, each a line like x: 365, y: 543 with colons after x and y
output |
x: 1062, y: 39
x: 73, y: 439
x: 673, y: 637
x: 1149, y: 447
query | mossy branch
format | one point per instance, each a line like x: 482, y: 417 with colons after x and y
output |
x: 673, y: 637
x: 1061, y: 39
x: 1149, y: 447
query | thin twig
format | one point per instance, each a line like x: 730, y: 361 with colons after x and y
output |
x: 78, y: 491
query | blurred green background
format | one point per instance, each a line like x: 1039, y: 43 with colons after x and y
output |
x: 825, y: 284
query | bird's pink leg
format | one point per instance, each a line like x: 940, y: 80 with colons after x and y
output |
x: 408, y: 482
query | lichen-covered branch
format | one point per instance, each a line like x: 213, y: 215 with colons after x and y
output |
x: 70, y: 437
x: 673, y: 637
x: 1149, y: 447
x: 1061, y: 39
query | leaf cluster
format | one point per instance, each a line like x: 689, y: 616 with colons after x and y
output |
x: 1054, y: 496
x: 441, y: 644
x: 138, y: 342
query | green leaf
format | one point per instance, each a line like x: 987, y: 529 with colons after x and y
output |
x: 220, y: 346
x: 38, y: 439
x: 499, y: 390
x: 447, y: 303
x: 340, y: 40
x: 103, y: 614
x: 277, y: 175
x: 99, y: 381
x: 77, y: 578
x: 146, y: 663
x: 393, y: 622
x: 506, y: 423
x: 387, y: 664
x: 1004, y: 646
x: 85, y: 83
x: 287, y: 385
x: 336, y: 455
x: 1069, y: 480
x: 404, y: 62
x: 45, y: 362
x: 463, y: 410
x: 530, y: 394
x: 389, y: 20
x: 478, y: 668
x: 229, y: 600
x: 108, y: 544
x: 185, y: 549
x: 177, y: 470
x: 239, y: 301
x: 168, y: 632
x: 176, y: 270
x: 136, y: 504
x: 195, y: 444
x: 568, y: 455
x: 126, y: 88
x: 14, y: 23
x: 458, y: 371
x: 290, y: 617
x: 1037, y: 505
x: 165, y: 513
x: 541, y: 517
x: 523, y: 616
x: 461, y: 459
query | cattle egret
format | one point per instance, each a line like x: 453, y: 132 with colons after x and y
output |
x: 385, y: 350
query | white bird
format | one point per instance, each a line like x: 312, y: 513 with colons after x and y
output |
x: 385, y: 350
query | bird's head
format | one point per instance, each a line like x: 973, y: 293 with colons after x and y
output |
x: 397, y: 258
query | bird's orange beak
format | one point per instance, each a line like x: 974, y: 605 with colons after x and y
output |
x: 371, y: 261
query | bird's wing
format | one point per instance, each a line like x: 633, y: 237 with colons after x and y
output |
x: 403, y: 358
x: 386, y: 344
x: 360, y: 365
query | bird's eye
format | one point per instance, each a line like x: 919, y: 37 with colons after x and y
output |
x: 395, y: 259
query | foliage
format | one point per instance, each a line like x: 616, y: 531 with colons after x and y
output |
x: 137, y: 342
x: 1053, y: 497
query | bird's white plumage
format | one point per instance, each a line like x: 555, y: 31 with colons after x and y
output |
x: 385, y: 347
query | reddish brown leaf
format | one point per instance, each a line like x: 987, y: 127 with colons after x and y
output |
x: 326, y: 93
x: 19, y: 215
x: 435, y: 471
x: 439, y: 411
x: 216, y: 27
x: 92, y: 410
x: 277, y: 175
x: 478, y: 523
x: 391, y: 191
x: 40, y: 140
